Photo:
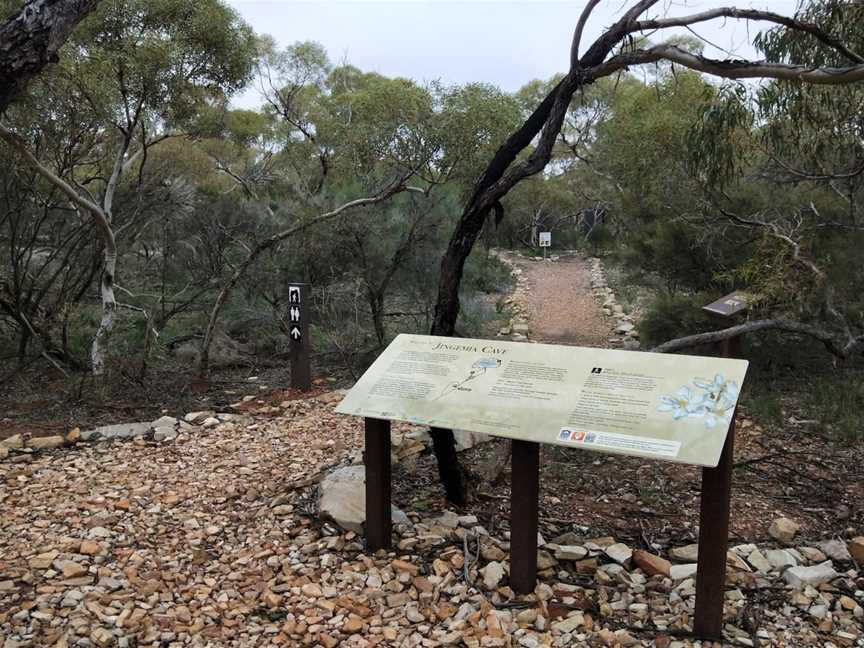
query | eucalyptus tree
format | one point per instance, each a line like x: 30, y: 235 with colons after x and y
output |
x: 529, y: 148
x: 143, y: 70
x: 336, y: 132
x: 784, y: 168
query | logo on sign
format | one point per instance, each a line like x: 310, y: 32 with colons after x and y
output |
x: 577, y: 436
x: 294, y: 314
x: 294, y: 295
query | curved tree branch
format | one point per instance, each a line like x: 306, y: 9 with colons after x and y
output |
x: 577, y: 34
x: 751, y: 14
x: 730, y: 69
x: 838, y: 349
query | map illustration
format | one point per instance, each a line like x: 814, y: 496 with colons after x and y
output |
x: 478, y: 369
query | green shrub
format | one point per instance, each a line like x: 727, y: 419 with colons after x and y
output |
x: 486, y: 273
x: 672, y: 316
x: 837, y: 401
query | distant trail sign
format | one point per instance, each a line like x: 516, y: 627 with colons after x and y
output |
x: 668, y: 407
x: 545, y: 239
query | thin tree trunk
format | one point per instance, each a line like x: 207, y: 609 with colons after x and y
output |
x: 23, y: 343
x: 376, y: 306
x: 109, y: 310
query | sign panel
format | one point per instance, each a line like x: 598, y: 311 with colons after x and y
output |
x: 298, y: 334
x: 545, y: 239
x: 729, y: 305
x: 670, y: 407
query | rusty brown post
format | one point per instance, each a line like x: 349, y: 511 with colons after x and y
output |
x: 714, y: 542
x: 524, y: 494
x: 376, y: 457
x: 714, y: 528
x: 298, y: 333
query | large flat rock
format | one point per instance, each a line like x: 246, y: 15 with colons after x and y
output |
x: 342, y: 498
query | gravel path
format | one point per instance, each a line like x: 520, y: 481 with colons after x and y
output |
x: 562, y: 309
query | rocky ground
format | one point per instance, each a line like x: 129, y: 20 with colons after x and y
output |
x: 210, y: 536
x: 216, y: 528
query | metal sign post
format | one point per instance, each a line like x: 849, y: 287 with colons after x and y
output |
x: 298, y: 334
x: 524, y: 497
x: 715, y: 502
x: 376, y: 457
x: 714, y: 542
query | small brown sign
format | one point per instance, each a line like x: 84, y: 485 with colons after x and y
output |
x: 729, y: 305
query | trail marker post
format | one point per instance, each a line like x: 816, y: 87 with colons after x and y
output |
x: 715, y: 501
x: 653, y: 406
x: 298, y: 336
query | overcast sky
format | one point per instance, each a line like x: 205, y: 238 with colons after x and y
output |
x: 506, y: 43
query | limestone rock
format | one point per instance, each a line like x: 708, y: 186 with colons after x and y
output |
x: 783, y: 530
x: 570, y: 552
x: 650, y: 564
x: 492, y: 575
x: 116, y: 432
x: 71, y: 569
x: 46, y: 443
x: 545, y: 560
x: 686, y: 554
x: 14, y: 442
x: 570, y: 623
x: 856, y: 549
x: 342, y: 498
x: 620, y: 553
x: 89, y: 548
x: 759, y: 562
x: 166, y: 433
x: 800, y: 577
x: 683, y: 572
x: 780, y: 558
x: 815, y: 555
x: 165, y: 421
x: 467, y: 440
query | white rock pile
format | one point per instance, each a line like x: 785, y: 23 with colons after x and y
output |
x: 626, y: 335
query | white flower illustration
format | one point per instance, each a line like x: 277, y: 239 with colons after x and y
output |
x: 681, y: 404
x: 714, y: 404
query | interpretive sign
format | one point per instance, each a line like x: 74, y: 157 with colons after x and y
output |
x: 545, y: 239
x: 729, y: 305
x: 669, y: 407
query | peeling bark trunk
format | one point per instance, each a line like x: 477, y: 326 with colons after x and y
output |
x: 376, y: 306
x: 31, y: 39
x: 109, y: 309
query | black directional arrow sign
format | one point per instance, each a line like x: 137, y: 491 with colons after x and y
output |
x: 295, y: 333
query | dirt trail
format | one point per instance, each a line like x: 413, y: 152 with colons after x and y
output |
x: 561, y: 308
